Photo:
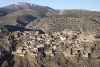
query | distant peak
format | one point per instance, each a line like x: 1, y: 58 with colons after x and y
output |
x: 23, y: 4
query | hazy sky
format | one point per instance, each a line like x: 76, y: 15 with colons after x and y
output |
x: 60, y: 4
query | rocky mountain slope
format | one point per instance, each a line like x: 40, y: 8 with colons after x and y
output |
x: 9, y: 14
x: 88, y: 23
x: 78, y: 12
x: 24, y: 5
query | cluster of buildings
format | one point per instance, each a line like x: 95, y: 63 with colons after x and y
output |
x: 68, y: 43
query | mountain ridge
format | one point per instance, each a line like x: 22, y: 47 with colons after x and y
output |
x: 20, y: 9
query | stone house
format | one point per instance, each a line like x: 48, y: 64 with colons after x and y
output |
x: 48, y: 53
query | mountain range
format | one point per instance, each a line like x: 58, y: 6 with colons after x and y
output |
x: 10, y: 14
x: 33, y: 16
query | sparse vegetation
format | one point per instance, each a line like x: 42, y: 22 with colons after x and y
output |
x: 24, y: 26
